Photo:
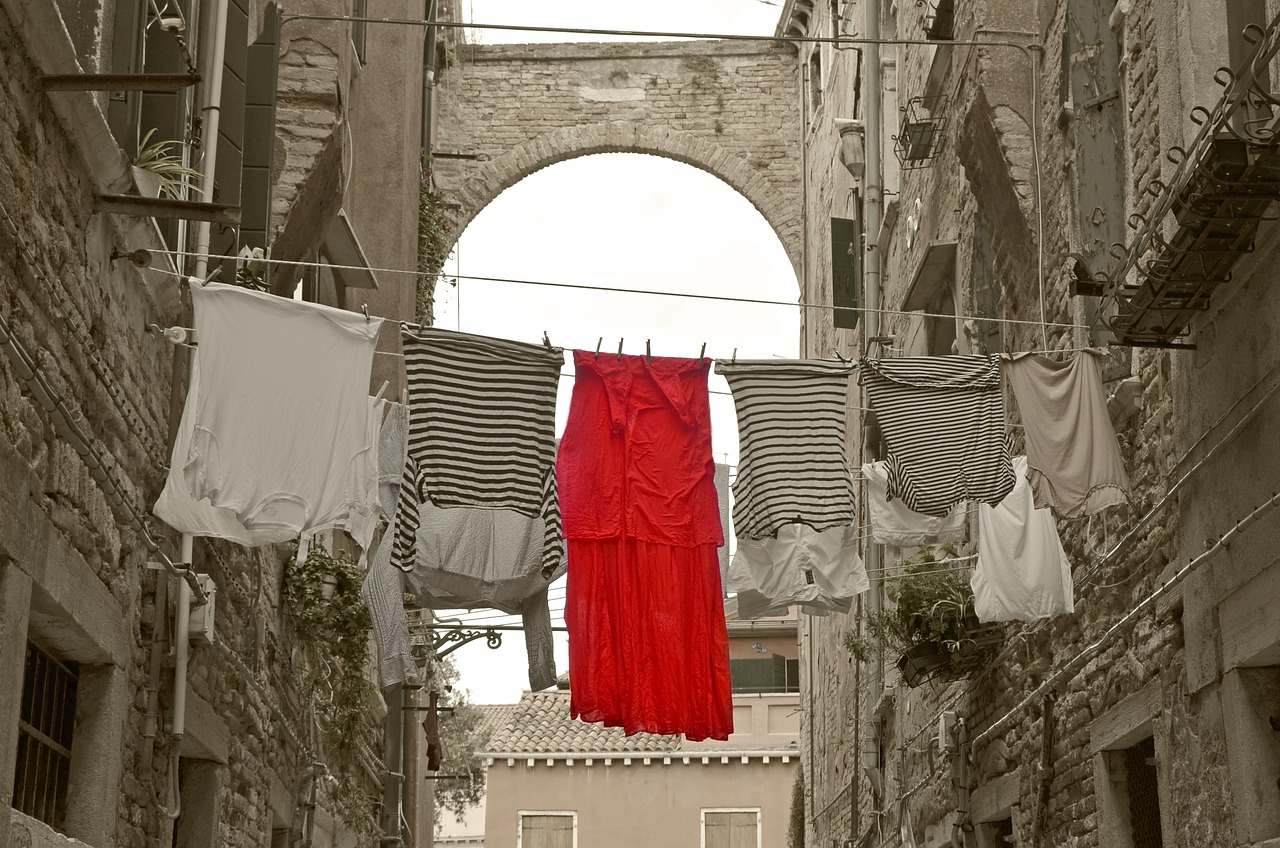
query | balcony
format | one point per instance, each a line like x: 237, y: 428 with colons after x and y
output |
x: 1223, y: 186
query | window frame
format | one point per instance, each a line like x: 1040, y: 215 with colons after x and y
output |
x: 520, y: 814
x: 57, y: 685
x: 702, y: 822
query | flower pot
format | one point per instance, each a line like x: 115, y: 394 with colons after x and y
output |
x: 920, y: 662
x: 328, y: 585
x: 147, y: 182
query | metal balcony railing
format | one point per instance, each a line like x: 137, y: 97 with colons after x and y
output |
x: 1223, y: 186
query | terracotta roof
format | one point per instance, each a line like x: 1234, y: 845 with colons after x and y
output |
x: 495, y: 717
x: 540, y: 724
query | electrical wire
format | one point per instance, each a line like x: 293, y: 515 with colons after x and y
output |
x: 654, y: 293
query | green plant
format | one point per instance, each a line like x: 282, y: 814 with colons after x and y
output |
x: 251, y: 271
x: 435, y: 239
x: 619, y: 75
x: 795, y: 827
x: 930, y: 604
x: 446, y: 54
x: 322, y: 595
x: 461, y: 736
x: 158, y: 158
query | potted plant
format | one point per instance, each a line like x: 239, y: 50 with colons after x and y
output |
x: 930, y: 624
x: 159, y: 171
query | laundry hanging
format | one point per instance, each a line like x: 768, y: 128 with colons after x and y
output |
x: 277, y: 437
x: 791, y: 432
x: 820, y: 571
x: 478, y: 521
x: 892, y: 523
x: 1074, y: 461
x: 481, y: 431
x: 383, y: 587
x: 648, y: 646
x: 943, y: 421
x: 1022, y: 572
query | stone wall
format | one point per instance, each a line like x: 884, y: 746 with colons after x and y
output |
x: 1194, y: 670
x: 73, y: 576
x: 508, y: 110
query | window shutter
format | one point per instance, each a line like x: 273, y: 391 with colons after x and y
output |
x: 846, y: 269
x: 231, y: 121
x: 259, y: 133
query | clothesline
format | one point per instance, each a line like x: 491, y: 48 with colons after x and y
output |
x: 649, y: 292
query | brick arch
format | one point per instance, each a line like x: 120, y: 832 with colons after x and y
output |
x: 493, y: 177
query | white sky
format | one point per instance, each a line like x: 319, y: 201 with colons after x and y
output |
x: 621, y: 221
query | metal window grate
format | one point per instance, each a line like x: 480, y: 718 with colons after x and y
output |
x: 45, y: 725
x: 1144, y: 798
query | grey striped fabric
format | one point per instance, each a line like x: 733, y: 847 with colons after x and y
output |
x: 481, y: 432
x: 943, y: 422
x: 791, y: 432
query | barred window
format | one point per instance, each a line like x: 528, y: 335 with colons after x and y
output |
x: 45, y: 724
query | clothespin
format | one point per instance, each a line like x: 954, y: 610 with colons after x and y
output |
x: 364, y: 307
x: 546, y: 340
x: 378, y: 396
x: 208, y: 279
x: 599, y: 342
x: 702, y: 354
x: 735, y: 356
x: 647, y: 354
x: 620, y: 350
x: 843, y: 361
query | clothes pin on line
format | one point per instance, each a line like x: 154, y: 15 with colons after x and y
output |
x: 364, y: 308
x: 599, y: 342
x: 702, y: 354
x: 546, y: 340
x: 647, y: 354
x: 620, y: 349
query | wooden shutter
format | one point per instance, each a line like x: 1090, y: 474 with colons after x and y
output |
x: 546, y: 831
x: 730, y: 830
x: 846, y: 269
x: 259, y: 133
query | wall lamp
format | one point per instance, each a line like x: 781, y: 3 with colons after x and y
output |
x: 852, y: 153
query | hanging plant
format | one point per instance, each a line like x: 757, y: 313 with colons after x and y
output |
x: 161, y: 169
x: 930, y: 625
x: 322, y: 595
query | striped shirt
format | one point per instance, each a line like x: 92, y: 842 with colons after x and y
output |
x: 791, y: 431
x: 942, y: 418
x: 481, y: 432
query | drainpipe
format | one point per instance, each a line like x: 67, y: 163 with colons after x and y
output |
x: 428, y: 79
x: 873, y: 211
x: 211, y: 71
x: 393, y: 768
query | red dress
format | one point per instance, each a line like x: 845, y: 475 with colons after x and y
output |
x: 648, y: 648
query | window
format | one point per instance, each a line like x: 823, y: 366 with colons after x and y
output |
x: 815, y: 80
x: 731, y: 828
x: 1143, y: 791
x: 768, y: 674
x: 996, y: 834
x: 939, y: 20
x: 45, y: 724
x: 540, y: 829
x: 359, y: 9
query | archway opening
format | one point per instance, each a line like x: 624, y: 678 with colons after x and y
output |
x: 620, y: 221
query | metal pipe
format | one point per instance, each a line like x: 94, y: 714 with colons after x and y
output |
x: 392, y: 765
x: 428, y: 79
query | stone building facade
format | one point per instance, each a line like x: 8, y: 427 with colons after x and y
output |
x: 1147, y: 716
x: 86, y: 388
